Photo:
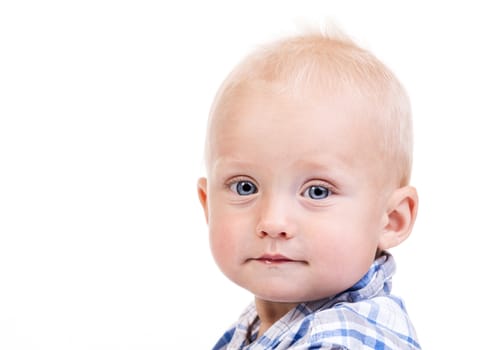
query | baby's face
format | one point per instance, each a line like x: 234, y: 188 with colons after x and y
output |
x: 293, y: 202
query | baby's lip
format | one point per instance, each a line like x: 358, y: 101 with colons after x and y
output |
x: 276, y: 259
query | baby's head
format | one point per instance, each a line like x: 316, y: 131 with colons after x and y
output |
x: 308, y: 156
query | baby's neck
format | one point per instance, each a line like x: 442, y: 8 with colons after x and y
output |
x: 270, y: 312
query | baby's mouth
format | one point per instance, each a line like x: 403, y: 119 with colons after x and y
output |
x: 275, y: 259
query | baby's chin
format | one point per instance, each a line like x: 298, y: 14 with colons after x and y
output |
x: 286, y: 289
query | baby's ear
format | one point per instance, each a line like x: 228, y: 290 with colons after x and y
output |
x: 202, y: 191
x: 399, y: 217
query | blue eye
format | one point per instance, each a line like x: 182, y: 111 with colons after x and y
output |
x: 317, y: 192
x: 244, y: 188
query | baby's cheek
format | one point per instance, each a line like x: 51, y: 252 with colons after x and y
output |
x: 222, y: 243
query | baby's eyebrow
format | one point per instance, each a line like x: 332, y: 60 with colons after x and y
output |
x: 321, y: 163
x: 227, y: 165
x: 230, y: 162
x: 324, y: 166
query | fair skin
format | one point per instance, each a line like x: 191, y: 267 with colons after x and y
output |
x: 296, y: 202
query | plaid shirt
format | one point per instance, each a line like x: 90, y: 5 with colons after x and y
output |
x: 366, y: 316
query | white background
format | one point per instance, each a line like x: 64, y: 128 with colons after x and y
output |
x: 103, y: 107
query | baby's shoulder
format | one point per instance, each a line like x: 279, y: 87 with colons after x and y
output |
x: 380, y: 322
x: 383, y: 310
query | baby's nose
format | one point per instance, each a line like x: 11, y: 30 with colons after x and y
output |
x: 275, y: 220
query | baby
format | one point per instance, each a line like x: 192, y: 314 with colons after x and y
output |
x: 308, y: 158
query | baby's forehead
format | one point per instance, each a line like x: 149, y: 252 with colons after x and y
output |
x: 274, y: 108
x: 312, y: 95
x: 294, y: 129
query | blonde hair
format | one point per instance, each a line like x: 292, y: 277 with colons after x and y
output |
x: 333, y: 62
